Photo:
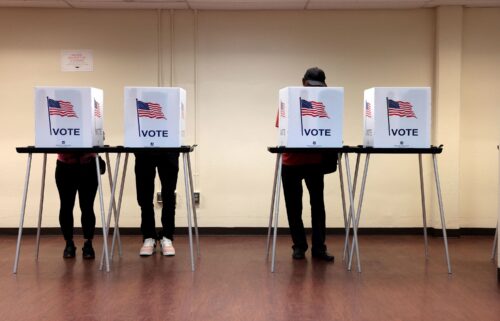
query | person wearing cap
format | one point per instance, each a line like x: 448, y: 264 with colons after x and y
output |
x: 296, y: 168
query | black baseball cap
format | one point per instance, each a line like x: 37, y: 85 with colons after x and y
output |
x: 314, y: 77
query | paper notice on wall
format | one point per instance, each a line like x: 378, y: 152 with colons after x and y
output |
x: 77, y: 60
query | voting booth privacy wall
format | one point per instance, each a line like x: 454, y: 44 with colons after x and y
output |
x: 311, y: 116
x: 398, y: 117
x: 154, y: 116
x: 68, y: 117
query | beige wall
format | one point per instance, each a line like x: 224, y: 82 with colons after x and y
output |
x: 232, y: 65
x: 480, y: 111
x: 249, y: 62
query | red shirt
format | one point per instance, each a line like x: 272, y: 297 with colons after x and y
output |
x: 75, y: 158
x: 292, y: 159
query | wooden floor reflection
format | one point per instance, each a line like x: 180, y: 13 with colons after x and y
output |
x: 233, y: 282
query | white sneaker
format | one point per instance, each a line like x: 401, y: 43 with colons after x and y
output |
x: 167, y: 248
x: 148, y: 248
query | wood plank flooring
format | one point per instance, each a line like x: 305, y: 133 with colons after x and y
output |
x: 233, y: 282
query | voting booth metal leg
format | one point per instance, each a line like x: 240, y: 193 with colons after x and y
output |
x: 344, y: 209
x: 111, y: 182
x: 23, y: 210
x: 352, y: 192
x: 276, y: 210
x: 112, y: 205
x: 424, y: 214
x: 103, y: 215
x: 275, y: 181
x: 188, y: 208
x: 441, y: 212
x: 351, y: 202
x: 195, y: 219
x: 40, y: 207
x: 354, y: 185
x: 116, y: 232
x: 355, y: 243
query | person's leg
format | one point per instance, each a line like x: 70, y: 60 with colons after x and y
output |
x: 66, y: 182
x: 145, y: 172
x: 168, y: 169
x: 87, y: 190
x: 292, y: 190
x: 66, y: 186
x: 315, y: 185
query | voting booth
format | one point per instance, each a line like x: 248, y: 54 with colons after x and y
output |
x: 154, y: 116
x: 311, y: 116
x: 397, y: 117
x: 68, y: 117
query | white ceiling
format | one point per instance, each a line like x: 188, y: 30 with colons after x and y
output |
x: 245, y: 4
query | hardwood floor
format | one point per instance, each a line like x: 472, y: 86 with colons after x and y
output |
x: 233, y: 282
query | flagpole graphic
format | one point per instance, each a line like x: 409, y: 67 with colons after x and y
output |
x: 388, y: 121
x: 137, y: 111
x: 300, y: 110
x: 48, y: 114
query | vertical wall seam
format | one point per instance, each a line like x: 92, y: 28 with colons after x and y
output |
x: 195, y: 104
x: 159, y: 79
x: 195, y: 62
x: 172, y: 44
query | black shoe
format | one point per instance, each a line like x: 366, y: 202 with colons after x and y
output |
x: 323, y: 256
x: 69, y: 250
x: 88, y: 251
x: 298, y: 254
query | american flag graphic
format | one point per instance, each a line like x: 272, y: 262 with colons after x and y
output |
x: 312, y: 108
x: 149, y: 110
x: 60, y: 108
x: 368, y: 110
x: 97, y: 109
x: 282, y: 109
x: 400, y: 108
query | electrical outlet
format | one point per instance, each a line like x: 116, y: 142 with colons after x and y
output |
x: 196, y: 196
x: 159, y: 199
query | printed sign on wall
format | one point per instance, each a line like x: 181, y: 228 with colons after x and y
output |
x: 77, y: 60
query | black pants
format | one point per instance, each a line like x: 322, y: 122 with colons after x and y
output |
x: 292, y: 177
x: 145, y: 172
x: 70, y: 179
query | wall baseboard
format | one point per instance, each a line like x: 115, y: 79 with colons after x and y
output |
x: 263, y: 231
